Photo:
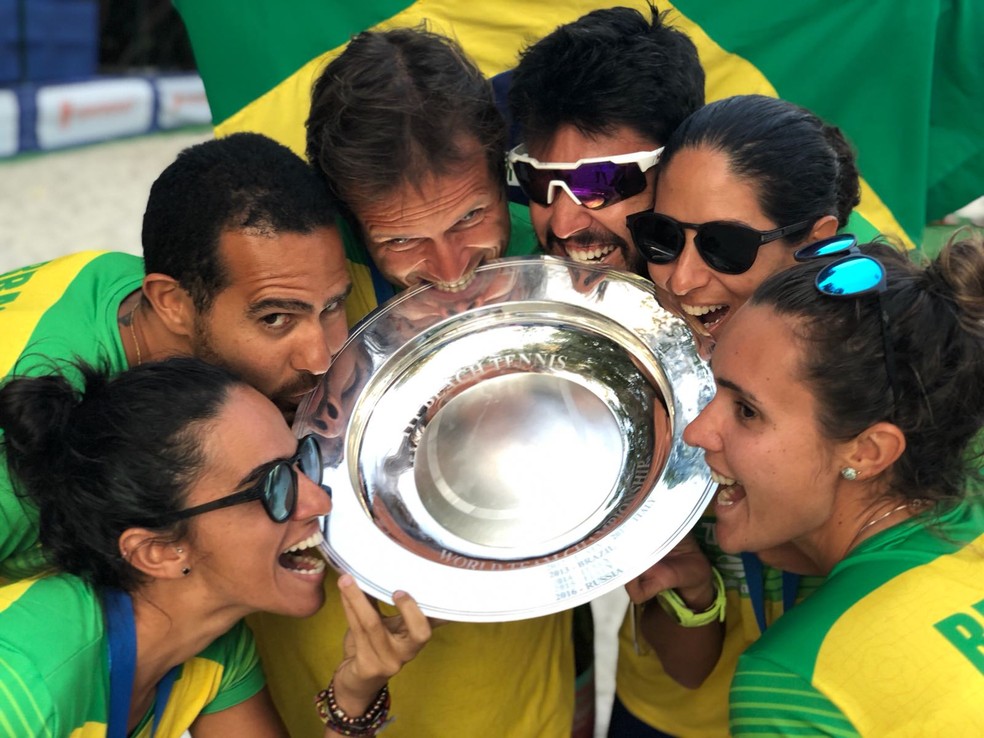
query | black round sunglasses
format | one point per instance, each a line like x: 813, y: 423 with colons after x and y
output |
x: 276, y: 486
x: 726, y: 247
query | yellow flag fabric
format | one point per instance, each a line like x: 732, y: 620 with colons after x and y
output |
x: 899, y: 80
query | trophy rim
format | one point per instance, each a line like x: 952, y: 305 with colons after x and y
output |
x: 383, y: 556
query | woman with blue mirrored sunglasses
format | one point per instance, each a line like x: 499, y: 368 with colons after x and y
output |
x: 138, y: 609
x: 828, y: 468
x: 741, y: 184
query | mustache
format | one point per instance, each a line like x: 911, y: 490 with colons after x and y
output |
x: 302, y: 385
x: 586, y: 238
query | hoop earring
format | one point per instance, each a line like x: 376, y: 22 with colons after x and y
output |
x: 849, y: 473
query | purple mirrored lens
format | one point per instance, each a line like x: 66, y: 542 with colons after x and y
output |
x: 595, y: 185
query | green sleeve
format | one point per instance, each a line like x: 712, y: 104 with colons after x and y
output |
x: 242, y: 676
x: 769, y: 700
x: 26, y: 705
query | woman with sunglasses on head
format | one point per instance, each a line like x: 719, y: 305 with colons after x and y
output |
x: 835, y: 455
x: 173, y: 500
x: 741, y: 183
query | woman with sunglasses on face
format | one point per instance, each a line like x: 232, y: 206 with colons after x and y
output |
x: 849, y: 390
x: 742, y: 183
x: 173, y: 501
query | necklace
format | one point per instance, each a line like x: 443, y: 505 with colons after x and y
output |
x: 863, y: 528
x: 133, y: 332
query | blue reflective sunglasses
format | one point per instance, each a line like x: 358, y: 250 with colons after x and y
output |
x: 856, y: 274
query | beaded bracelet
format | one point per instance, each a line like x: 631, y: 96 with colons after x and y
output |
x: 333, y: 716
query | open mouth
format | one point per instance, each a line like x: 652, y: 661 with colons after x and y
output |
x: 710, y: 316
x: 589, y: 255
x: 729, y: 491
x: 304, y: 557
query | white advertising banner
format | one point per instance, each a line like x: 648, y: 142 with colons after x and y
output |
x: 9, y: 123
x: 181, y: 101
x: 93, y: 111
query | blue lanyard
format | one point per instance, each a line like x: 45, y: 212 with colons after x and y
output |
x: 754, y: 578
x: 122, y: 634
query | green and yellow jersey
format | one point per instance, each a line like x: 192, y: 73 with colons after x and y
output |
x: 891, y: 644
x: 50, y: 315
x: 54, y: 671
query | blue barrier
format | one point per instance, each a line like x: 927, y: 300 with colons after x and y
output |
x: 52, y: 116
x: 51, y: 96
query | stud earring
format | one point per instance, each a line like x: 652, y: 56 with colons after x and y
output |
x: 849, y: 473
x: 180, y: 550
x: 186, y: 571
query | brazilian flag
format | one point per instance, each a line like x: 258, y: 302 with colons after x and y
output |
x: 902, y: 78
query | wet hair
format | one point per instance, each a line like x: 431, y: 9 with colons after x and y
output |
x: 118, y: 453
x: 610, y: 68
x: 801, y: 168
x: 396, y: 107
x: 935, y: 316
x: 243, y: 182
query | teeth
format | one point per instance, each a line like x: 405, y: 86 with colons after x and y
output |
x: 721, y: 479
x: 308, y: 565
x: 311, y: 541
x: 456, y: 286
x: 700, y: 309
x: 726, y: 496
x: 584, y: 255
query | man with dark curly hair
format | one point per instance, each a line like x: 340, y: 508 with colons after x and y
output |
x: 594, y: 101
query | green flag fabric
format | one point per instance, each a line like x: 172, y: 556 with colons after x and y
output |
x: 902, y: 78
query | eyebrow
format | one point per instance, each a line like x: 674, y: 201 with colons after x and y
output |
x: 256, y: 473
x: 280, y: 304
x: 298, y: 306
x: 728, y: 384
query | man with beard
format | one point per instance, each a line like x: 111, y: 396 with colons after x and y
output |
x: 594, y: 101
x: 242, y: 267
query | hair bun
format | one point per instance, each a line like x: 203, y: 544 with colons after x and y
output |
x: 34, y: 414
x: 958, y: 273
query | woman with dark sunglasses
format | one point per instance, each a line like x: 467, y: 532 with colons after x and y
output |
x: 742, y: 183
x: 834, y: 458
x: 173, y: 500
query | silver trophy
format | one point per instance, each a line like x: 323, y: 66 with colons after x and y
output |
x: 512, y: 449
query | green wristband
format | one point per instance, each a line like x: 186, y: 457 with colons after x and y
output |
x: 677, y: 609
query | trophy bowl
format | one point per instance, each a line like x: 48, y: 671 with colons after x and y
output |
x: 514, y: 448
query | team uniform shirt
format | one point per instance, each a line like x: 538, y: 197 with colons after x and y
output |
x: 508, y: 680
x: 657, y: 699
x: 51, y: 314
x: 891, y: 644
x: 654, y: 697
x: 370, y: 289
x: 54, y: 670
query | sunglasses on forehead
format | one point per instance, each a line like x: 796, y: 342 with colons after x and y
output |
x: 729, y: 248
x: 276, y: 487
x: 854, y: 274
x: 593, y: 183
